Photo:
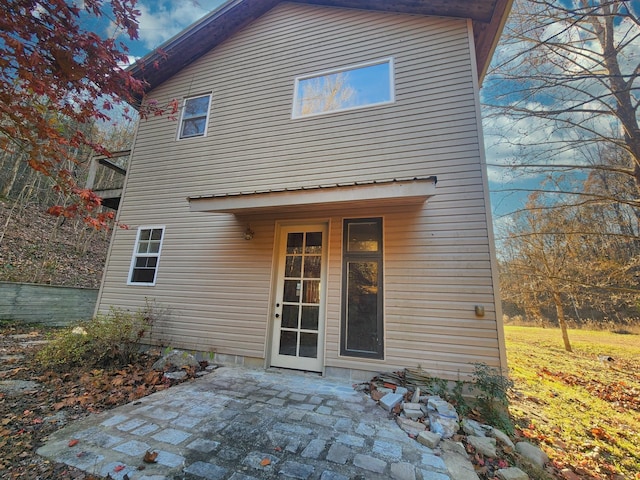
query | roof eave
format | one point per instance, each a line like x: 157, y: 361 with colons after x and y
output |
x: 193, y: 42
x: 487, y: 36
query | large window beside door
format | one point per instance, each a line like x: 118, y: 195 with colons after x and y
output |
x: 362, y: 313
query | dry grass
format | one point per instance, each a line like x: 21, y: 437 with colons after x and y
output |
x: 583, y: 412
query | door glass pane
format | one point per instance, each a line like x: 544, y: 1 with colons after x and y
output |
x: 288, y: 343
x: 290, y: 316
x: 362, y: 306
x: 309, y: 345
x: 293, y: 266
x: 291, y: 290
x: 294, y: 242
x: 363, y: 237
x: 311, y: 291
x: 309, y: 320
x: 314, y: 243
x: 312, y: 266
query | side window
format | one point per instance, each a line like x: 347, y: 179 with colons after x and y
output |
x: 195, y: 116
x: 362, y: 309
x: 357, y: 86
x: 144, y: 262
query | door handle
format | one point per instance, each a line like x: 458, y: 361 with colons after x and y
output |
x: 277, y: 315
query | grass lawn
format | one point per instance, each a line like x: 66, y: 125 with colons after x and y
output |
x: 585, y: 415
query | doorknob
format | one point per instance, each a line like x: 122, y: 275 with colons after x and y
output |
x: 277, y: 315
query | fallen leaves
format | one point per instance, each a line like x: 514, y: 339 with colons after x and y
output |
x: 618, y: 393
x: 99, y: 389
x: 600, y: 434
x: 586, y: 418
x: 26, y: 420
x: 265, y: 462
x: 150, y: 457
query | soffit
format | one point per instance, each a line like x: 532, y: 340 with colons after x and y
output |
x: 372, y: 194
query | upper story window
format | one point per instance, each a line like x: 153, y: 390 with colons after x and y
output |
x: 144, y: 262
x: 195, y: 116
x: 346, y: 88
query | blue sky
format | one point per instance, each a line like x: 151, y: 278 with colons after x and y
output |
x: 162, y: 19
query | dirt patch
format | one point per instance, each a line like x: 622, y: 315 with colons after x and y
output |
x: 38, y: 248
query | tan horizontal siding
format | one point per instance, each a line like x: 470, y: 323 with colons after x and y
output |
x: 437, y: 262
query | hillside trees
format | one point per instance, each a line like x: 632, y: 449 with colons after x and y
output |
x: 56, y: 79
x: 576, y: 259
x: 39, y: 248
x: 565, y: 98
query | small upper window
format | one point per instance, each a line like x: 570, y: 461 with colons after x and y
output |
x: 195, y: 115
x: 344, y: 89
x: 144, y: 263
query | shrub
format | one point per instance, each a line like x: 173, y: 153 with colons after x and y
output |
x: 457, y: 398
x: 492, y: 396
x: 107, y: 340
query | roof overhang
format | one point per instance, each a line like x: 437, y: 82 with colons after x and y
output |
x: 488, y: 17
x: 371, y: 194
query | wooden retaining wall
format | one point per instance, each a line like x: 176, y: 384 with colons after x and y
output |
x: 46, y: 304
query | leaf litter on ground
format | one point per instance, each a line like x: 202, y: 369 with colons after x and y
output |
x: 584, y: 414
x: 29, y: 416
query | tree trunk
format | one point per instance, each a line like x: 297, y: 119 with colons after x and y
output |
x: 604, y: 30
x: 557, y: 299
x: 12, y: 175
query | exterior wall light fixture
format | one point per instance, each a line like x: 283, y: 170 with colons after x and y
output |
x: 248, y: 233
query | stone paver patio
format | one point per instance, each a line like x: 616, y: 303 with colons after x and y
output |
x: 242, y: 424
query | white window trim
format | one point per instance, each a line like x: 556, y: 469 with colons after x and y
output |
x: 392, y: 86
x: 136, y: 255
x: 184, y: 108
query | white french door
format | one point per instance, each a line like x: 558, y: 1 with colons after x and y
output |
x: 299, y: 303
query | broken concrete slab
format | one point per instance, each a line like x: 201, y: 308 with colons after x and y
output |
x: 390, y: 400
x: 429, y: 439
x: 511, y: 473
x: 484, y: 445
x: 532, y: 453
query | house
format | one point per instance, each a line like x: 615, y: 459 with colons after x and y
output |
x: 321, y: 203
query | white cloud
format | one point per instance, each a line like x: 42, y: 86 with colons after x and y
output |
x: 161, y: 20
x: 510, y: 141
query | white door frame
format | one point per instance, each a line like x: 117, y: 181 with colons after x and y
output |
x: 295, y: 361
